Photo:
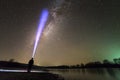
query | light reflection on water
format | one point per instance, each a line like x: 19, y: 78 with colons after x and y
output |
x: 7, y: 70
x: 88, y: 74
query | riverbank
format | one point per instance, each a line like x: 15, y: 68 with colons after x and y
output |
x: 29, y: 76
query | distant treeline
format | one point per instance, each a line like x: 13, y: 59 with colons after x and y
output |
x: 97, y: 64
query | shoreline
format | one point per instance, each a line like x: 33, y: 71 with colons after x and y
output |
x: 29, y: 76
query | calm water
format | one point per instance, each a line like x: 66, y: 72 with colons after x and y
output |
x: 88, y: 74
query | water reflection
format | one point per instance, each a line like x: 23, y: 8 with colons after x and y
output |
x: 89, y: 74
x: 98, y: 71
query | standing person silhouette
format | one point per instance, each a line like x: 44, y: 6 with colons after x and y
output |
x: 30, y: 64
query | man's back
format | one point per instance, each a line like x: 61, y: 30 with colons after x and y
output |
x: 30, y: 64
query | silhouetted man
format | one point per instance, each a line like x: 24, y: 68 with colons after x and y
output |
x: 30, y: 64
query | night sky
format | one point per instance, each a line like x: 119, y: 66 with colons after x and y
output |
x: 77, y: 31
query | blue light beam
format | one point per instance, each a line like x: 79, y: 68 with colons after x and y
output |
x: 43, y: 20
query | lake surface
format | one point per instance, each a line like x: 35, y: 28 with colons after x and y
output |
x: 88, y: 74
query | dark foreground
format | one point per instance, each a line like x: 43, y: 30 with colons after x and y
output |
x: 28, y: 76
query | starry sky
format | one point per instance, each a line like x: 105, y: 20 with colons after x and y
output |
x: 77, y: 31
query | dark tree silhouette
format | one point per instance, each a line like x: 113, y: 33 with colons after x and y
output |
x: 115, y: 61
x: 82, y: 65
x: 106, y: 61
x: 11, y: 60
